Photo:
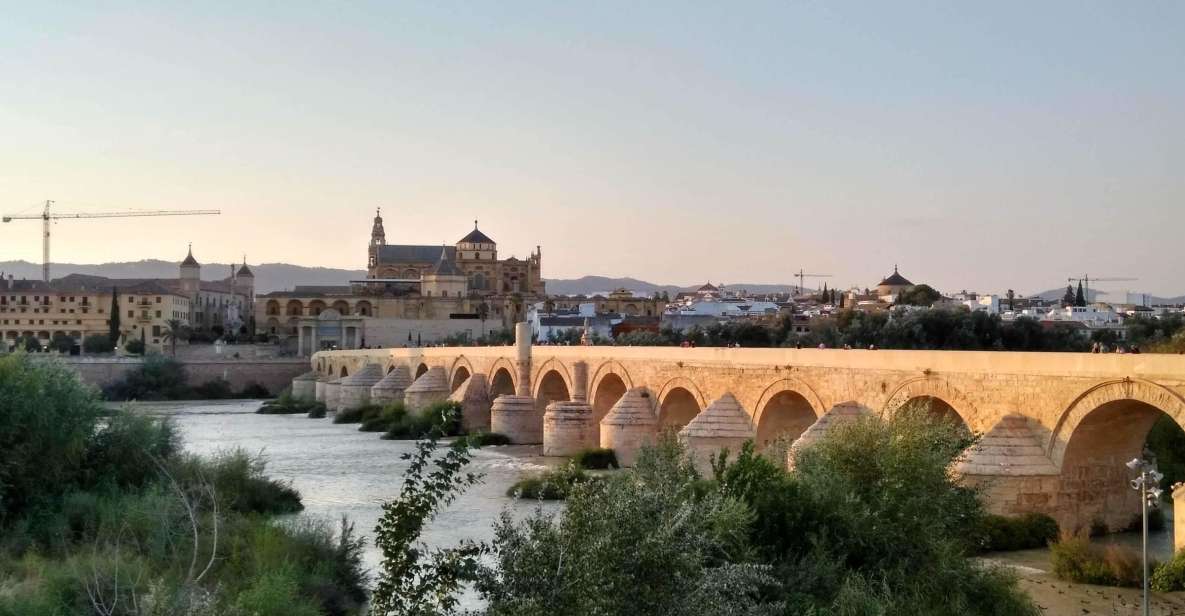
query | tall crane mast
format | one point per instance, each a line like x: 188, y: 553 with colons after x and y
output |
x: 801, y: 276
x: 46, y: 217
x: 1086, y: 280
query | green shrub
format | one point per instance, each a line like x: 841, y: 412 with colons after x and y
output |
x: 390, y: 415
x: 1076, y: 559
x: 357, y: 415
x: 554, y: 484
x: 1003, y: 534
x: 217, y: 389
x: 1170, y: 577
x: 156, y: 378
x: 254, y: 390
x: 285, y: 404
x: 135, y: 347
x: 596, y: 458
x: 125, y: 452
x: 318, y: 411
x: 444, y: 417
x: 240, y: 482
x: 487, y: 439
x: 61, y: 343
x: 97, y: 343
x: 275, y: 593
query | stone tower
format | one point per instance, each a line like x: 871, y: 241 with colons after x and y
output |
x: 245, y: 281
x: 191, y: 275
x: 378, y: 238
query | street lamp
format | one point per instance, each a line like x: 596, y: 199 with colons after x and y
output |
x: 1147, y: 483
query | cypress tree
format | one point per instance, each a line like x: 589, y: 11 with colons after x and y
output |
x: 113, y: 331
x: 1080, y: 298
x: 1068, y: 298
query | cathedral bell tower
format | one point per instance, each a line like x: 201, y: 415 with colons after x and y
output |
x: 378, y: 239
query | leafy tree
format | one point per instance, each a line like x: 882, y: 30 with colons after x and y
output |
x: 919, y: 295
x: 135, y: 347
x: 1068, y: 298
x: 157, y: 378
x: 97, y: 343
x: 1080, y: 297
x: 30, y: 344
x: 113, y: 332
x: 61, y: 343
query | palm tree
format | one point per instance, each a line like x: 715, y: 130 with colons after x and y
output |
x: 176, y: 330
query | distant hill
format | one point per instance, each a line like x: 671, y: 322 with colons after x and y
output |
x: 588, y: 285
x: 1094, y: 295
x: 268, y: 276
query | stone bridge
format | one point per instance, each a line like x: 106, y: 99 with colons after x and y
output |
x: 1057, y: 427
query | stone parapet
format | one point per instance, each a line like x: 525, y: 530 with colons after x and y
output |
x: 391, y: 387
x: 515, y: 417
x: 630, y: 425
x: 355, y: 389
x: 430, y: 388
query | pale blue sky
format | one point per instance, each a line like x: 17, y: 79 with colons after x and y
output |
x: 980, y: 145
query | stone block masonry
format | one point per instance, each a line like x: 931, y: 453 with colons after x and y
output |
x: 274, y: 374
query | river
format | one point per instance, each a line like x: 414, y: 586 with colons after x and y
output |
x: 341, y: 471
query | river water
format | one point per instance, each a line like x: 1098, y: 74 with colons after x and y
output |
x: 341, y: 471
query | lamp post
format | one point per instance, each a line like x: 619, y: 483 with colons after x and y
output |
x: 1147, y: 483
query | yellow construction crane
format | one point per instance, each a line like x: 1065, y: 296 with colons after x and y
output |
x: 46, y: 217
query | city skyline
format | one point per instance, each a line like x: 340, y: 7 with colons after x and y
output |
x: 1006, y: 149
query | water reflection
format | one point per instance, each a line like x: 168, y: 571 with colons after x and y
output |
x: 341, y: 471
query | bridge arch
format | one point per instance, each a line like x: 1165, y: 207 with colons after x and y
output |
x: 459, y: 371
x: 945, y: 400
x: 420, y: 370
x: 344, y: 372
x: 785, y: 409
x: 552, y: 386
x: 502, y: 378
x: 1100, y: 431
x: 679, y: 401
x: 552, y: 366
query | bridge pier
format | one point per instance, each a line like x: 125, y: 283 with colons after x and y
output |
x: 333, y: 394
x: 430, y: 388
x: 475, y: 403
x: 319, y: 388
x: 515, y: 416
x: 355, y: 389
x: 724, y: 425
x: 630, y: 425
x: 567, y: 425
x: 391, y: 387
x: 304, y: 387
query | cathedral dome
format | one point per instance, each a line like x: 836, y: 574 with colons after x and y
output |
x: 476, y: 237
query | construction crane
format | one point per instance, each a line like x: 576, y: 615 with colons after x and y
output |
x: 1086, y: 280
x: 46, y: 217
x: 802, y: 276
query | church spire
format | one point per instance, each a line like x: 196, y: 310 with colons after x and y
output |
x: 378, y: 237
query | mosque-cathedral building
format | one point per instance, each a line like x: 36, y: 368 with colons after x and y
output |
x: 411, y: 293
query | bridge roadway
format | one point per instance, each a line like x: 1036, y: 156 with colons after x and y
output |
x: 1057, y: 427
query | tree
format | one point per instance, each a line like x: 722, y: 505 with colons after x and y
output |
x: 97, y: 343
x: 1080, y: 297
x: 61, y: 342
x: 1011, y: 295
x: 175, y: 330
x: 1068, y: 298
x: 30, y: 344
x: 113, y: 332
x: 919, y: 295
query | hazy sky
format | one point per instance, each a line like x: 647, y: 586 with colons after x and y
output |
x: 981, y: 146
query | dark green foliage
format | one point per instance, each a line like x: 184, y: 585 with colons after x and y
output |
x: 595, y: 458
x: 919, y: 295
x: 554, y: 484
x: 97, y: 343
x: 357, y: 415
x: 1003, y: 534
x: 239, y: 480
x: 414, y: 580
x: 29, y: 343
x: 254, y: 390
x: 135, y: 347
x: 124, y: 454
x: 217, y: 389
x: 1076, y: 559
x: 61, y: 343
x: 487, y: 439
x: 1068, y: 296
x: 285, y: 404
x: 156, y: 378
x: 388, y: 417
x: 47, y: 418
x: 443, y: 418
x: 956, y: 330
x: 1079, y: 297
x: 1170, y: 577
x: 1156, y: 520
x: 1166, y: 441
x: 113, y: 333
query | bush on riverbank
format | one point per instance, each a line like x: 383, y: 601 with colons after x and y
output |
x: 553, y: 484
x: 106, y: 515
x: 1077, y: 559
x: 390, y: 415
x: 286, y: 404
x: 1005, y: 534
x: 160, y: 378
x: 597, y: 458
x: 358, y: 414
x: 443, y: 417
x: 1170, y: 577
x: 487, y: 439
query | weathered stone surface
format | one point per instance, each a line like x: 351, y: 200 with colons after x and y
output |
x: 848, y: 411
x: 1010, y: 448
x: 430, y: 388
x: 473, y: 396
x: 1088, y: 413
x: 514, y: 417
x: 355, y: 389
x: 630, y: 425
x: 319, y: 389
x: 723, y: 425
x: 1179, y: 517
x: 391, y: 387
x: 304, y: 387
x: 333, y: 394
x: 568, y: 428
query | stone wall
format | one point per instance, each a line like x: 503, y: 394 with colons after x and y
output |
x: 274, y: 374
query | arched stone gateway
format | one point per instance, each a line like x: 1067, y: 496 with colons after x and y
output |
x: 786, y: 409
x: 606, y: 393
x: 676, y: 409
x: 552, y: 387
x: 502, y: 384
